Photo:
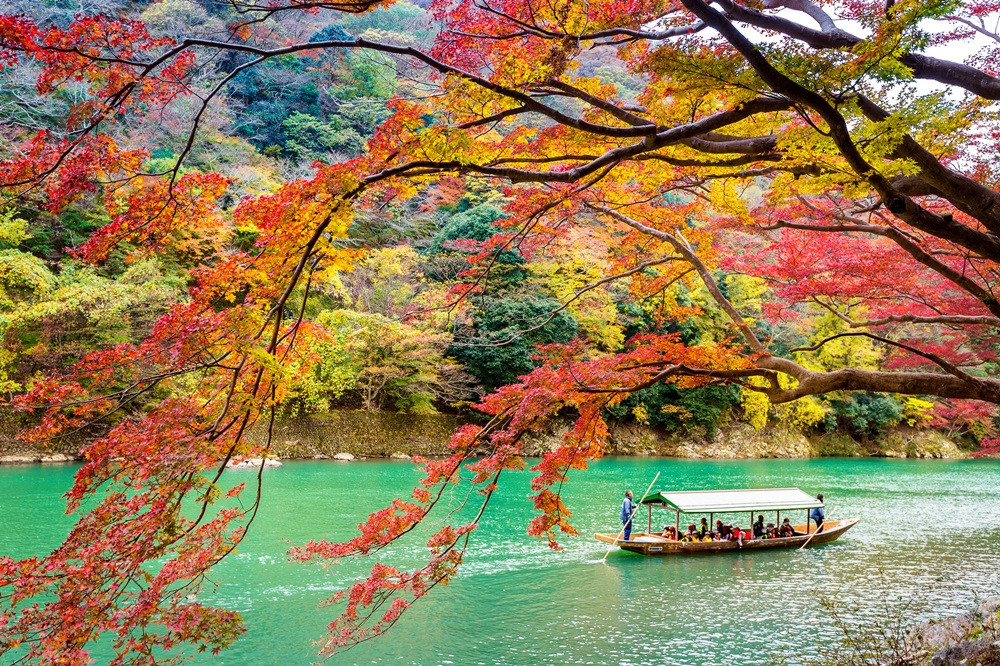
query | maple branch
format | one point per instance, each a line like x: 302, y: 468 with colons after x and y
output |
x: 961, y: 320
x: 981, y: 29
x: 966, y: 194
x: 983, y: 295
x: 735, y: 161
x: 683, y: 249
x: 903, y: 207
x: 524, y: 99
x: 814, y: 11
x: 833, y: 37
x: 712, y: 142
x: 610, y: 158
x: 496, y: 117
x: 682, y: 370
x: 948, y: 367
x: 850, y: 379
x: 604, y: 105
x: 813, y: 383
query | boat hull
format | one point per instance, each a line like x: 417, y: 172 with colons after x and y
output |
x: 654, y: 544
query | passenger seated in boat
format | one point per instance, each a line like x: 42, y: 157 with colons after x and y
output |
x: 758, y: 528
x: 786, y: 529
x: 670, y: 532
x: 770, y: 532
x: 719, y: 527
x: 692, y: 534
x: 727, y: 532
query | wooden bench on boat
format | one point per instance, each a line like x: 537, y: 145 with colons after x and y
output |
x: 751, y: 501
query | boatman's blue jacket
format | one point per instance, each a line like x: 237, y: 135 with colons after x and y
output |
x: 817, y: 514
x: 627, y: 508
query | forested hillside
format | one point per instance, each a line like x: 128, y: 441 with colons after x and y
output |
x: 395, y: 335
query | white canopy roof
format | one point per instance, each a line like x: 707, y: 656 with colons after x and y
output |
x: 723, y: 501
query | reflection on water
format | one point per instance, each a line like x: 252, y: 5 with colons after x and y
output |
x: 929, y: 530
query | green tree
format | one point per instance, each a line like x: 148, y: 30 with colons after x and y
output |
x: 307, y: 138
x: 500, y: 346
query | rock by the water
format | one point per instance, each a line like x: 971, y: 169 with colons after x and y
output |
x: 20, y: 459
x: 933, y: 635
x: 948, y: 640
x: 253, y: 463
x: 346, y: 457
x: 398, y: 455
x: 56, y: 458
x: 906, y: 443
x: 972, y: 653
x: 320, y: 456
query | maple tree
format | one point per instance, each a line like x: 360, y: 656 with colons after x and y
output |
x: 785, y: 140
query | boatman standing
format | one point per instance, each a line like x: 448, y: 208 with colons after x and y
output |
x: 818, y: 515
x: 628, y: 508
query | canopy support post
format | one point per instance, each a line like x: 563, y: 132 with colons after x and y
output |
x: 677, y: 524
x: 711, y: 522
x: 649, y: 522
x: 808, y: 520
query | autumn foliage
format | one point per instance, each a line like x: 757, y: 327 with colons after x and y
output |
x: 814, y: 149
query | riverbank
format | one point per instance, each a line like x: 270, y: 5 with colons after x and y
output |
x: 386, y: 435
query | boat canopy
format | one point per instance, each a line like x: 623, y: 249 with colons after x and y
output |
x: 732, y: 501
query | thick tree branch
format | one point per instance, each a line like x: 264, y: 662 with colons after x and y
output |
x: 950, y: 368
x: 966, y: 194
x: 956, y: 320
x: 904, y: 207
x: 814, y: 383
x: 831, y: 37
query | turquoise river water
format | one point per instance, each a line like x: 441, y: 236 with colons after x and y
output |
x: 929, y: 534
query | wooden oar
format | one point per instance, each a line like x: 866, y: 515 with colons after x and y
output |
x: 817, y: 529
x: 622, y: 532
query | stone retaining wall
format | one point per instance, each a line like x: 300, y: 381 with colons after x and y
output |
x: 381, y: 434
x: 368, y: 434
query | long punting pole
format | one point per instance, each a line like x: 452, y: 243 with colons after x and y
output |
x: 636, y: 508
x: 817, y: 531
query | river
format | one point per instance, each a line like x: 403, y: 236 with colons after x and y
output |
x: 929, y: 536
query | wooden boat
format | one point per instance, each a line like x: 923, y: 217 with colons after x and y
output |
x: 750, y: 501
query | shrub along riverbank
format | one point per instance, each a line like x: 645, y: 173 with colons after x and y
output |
x: 382, y: 434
